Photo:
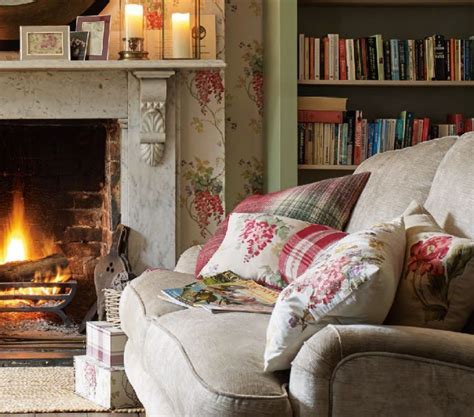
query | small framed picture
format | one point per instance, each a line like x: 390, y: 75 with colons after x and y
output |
x: 79, y: 43
x: 99, y: 35
x: 44, y: 42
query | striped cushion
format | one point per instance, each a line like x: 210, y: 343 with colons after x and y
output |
x: 299, y: 252
x: 329, y: 202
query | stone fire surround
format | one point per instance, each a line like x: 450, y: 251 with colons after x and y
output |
x: 143, y: 97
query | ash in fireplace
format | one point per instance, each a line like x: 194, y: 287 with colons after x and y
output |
x: 32, y: 325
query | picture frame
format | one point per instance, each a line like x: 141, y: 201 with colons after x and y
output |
x: 45, y: 42
x: 99, y: 37
x: 79, y: 44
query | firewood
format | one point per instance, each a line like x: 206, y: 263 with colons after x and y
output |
x: 25, y: 270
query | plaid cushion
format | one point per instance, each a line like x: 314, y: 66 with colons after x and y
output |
x: 301, y: 249
x: 329, y: 202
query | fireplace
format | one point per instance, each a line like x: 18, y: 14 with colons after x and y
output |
x: 59, y: 203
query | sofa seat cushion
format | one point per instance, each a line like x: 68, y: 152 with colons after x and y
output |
x: 139, y: 302
x: 212, y: 364
x: 397, y: 178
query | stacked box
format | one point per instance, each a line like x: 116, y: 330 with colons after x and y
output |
x: 108, y: 387
x: 105, y: 343
x: 100, y: 375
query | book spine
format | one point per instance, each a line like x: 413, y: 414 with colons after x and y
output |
x: 387, y: 62
x: 395, y: 60
x: 306, y: 58
x: 326, y: 58
x: 420, y: 59
x: 440, y: 57
x: 416, y: 125
x: 372, y: 52
x: 351, y: 71
x: 467, y: 60
x: 342, y: 59
x: 301, y: 130
x: 365, y: 58
x: 453, y: 59
x: 301, y: 56
x: 411, y: 60
x: 317, y: 56
x: 471, y: 49
x: 468, y: 125
x: 448, y: 60
x: 402, y: 60
x: 357, y: 159
x: 358, y: 59
x: 330, y: 57
x: 409, y: 129
x: 426, y: 129
x: 399, y: 134
x: 319, y: 116
x: 380, y: 57
x: 311, y: 58
x: 350, y: 120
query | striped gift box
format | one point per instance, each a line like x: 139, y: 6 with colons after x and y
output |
x: 105, y: 343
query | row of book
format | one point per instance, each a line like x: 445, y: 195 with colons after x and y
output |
x: 373, y: 58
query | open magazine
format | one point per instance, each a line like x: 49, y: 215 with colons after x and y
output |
x: 224, y: 292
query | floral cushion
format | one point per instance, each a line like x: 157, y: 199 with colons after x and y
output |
x: 329, y: 202
x: 437, y: 285
x: 301, y: 249
x: 352, y: 281
x: 252, y: 246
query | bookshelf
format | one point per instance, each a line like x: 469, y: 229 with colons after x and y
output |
x: 402, y: 19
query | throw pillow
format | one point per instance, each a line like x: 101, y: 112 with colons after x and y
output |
x: 436, y: 289
x: 252, y: 246
x: 353, y: 281
x: 301, y: 249
x: 329, y: 202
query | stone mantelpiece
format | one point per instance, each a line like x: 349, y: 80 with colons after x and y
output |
x: 142, y: 96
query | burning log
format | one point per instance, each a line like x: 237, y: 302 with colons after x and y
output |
x: 25, y: 270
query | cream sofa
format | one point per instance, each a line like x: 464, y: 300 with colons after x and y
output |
x: 191, y: 363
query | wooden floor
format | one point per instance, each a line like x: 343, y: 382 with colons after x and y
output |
x: 105, y: 414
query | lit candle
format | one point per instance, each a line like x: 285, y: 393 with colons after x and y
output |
x: 181, y: 32
x: 134, y: 21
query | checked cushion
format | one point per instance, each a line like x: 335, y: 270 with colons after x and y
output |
x: 329, y: 202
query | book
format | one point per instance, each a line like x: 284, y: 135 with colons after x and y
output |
x: 224, y: 292
x: 319, y: 116
x: 395, y: 59
x: 350, y: 59
x: 379, y: 48
x: 457, y: 120
x: 342, y: 60
x: 372, y: 55
x: 440, y: 57
x: 387, y: 65
x: 322, y: 103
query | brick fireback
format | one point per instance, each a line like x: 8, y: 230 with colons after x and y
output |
x: 69, y: 173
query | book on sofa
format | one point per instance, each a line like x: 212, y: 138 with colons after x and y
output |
x: 223, y: 292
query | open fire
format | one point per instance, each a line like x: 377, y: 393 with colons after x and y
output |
x: 17, y: 251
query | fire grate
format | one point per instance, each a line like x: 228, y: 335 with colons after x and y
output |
x: 48, y: 303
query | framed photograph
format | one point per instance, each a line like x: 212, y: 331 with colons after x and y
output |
x: 79, y: 44
x: 99, y: 35
x: 44, y: 42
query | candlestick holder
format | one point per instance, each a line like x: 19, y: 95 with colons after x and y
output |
x: 133, y: 30
x: 181, y: 30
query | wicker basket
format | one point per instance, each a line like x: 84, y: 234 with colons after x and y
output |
x: 112, y: 303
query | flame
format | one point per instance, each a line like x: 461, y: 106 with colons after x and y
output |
x: 16, y: 241
x: 16, y: 247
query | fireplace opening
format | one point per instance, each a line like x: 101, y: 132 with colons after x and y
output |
x: 59, y: 203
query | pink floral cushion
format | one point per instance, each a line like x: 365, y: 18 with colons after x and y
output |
x: 353, y: 281
x: 301, y: 249
x: 252, y: 246
x: 329, y: 202
x: 437, y: 285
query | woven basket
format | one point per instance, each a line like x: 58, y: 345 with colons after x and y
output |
x: 112, y: 302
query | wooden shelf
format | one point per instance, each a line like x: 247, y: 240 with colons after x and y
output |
x: 388, y: 83
x: 387, y: 3
x: 328, y: 167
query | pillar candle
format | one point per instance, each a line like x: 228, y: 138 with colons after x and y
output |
x: 134, y: 21
x: 181, y: 32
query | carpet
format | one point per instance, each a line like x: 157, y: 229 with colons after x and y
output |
x: 43, y: 390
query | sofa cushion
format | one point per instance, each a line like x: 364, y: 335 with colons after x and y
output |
x: 140, y: 302
x: 397, y: 178
x: 327, y: 202
x: 451, y: 198
x: 211, y: 365
x: 187, y: 261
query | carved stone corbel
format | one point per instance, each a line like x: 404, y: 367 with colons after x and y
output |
x: 153, y: 89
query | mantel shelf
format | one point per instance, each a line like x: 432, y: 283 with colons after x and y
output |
x: 387, y: 83
x: 50, y: 65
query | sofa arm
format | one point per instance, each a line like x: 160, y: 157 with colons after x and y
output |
x: 187, y: 261
x: 362, y: 370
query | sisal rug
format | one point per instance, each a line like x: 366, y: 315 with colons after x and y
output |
x: 43, y: 390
